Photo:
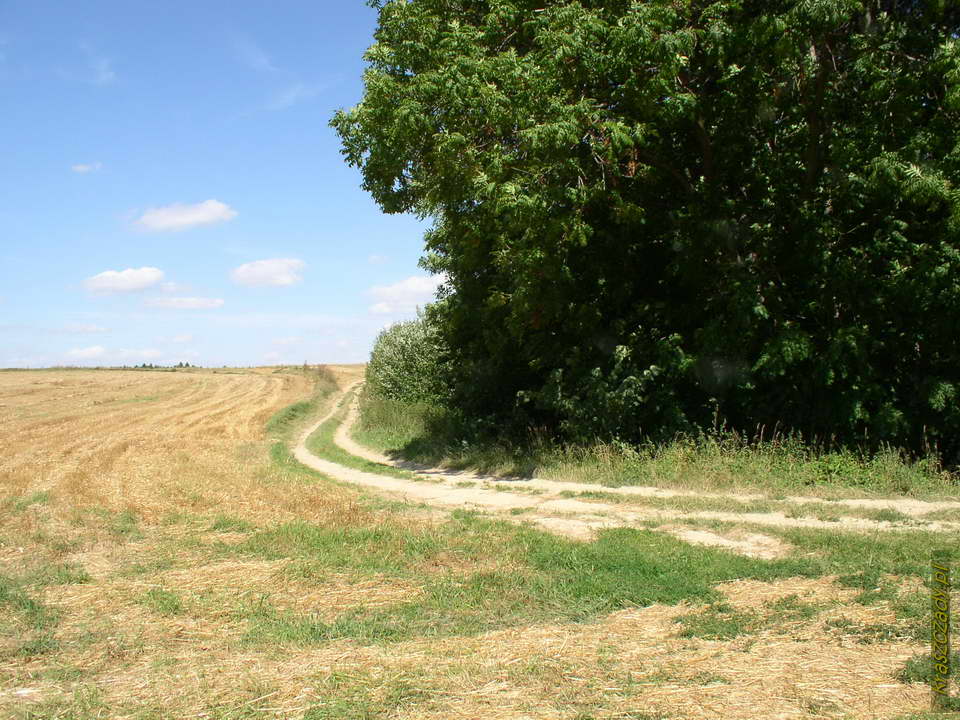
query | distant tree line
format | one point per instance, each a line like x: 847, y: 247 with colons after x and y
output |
x: 654, y: 217
x: 151, y: 366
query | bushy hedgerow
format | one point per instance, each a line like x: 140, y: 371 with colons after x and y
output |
x: 653, y: 216
x: 406, y: 363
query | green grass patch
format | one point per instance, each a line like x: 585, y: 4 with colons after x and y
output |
x: 366, y: 550
x: 919, y: 668
x: 19, y: 504
x: 162, y: 602
x: 224, y: 523
x: 790, y: 609
x: 515, y: 488
x: 286, y: 420
x: 126, y: 526
x: 862, y: 558
x: 60, y: 574
x: 719, y: 621
x: 34, y: 624
x: 358, y: 696
x: 870, y: 632
x: 321, y: 444
x: 543, y: 577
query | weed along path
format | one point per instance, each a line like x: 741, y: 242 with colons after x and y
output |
x: 578, y: 510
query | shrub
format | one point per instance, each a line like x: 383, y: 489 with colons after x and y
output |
x: 406, y: 363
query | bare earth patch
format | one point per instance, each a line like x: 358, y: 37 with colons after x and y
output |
x: 739, y: 541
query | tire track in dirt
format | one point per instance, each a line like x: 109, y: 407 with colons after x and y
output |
x: 438, y: 487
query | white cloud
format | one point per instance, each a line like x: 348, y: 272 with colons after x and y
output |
x: 83, y: 328
x: 186, y: 303
x: 103, y: 74
x: 178, y: 216
x: 181, y: 339
x: 277, y: 272
x: 292, y: 95
x: 377, y: 259
x: 406, y: 295
x: 252, y: 55
x: 88, y: 353
x: 146, y: 354
x: 84, y: 168
x: 129, y: 280
x: 101, y: 71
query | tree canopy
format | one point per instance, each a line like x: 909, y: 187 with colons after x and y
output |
x: 656, y: 214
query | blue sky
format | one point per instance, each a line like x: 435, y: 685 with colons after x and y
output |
x: 170, y: 189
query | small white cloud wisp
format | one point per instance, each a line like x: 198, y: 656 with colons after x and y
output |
x: 405, y: 296
x: 83, y: 328
x: 179, y: 216
x: 186, y: 303
x: 293, y: 95
x: 276, y: 272
x: 122, y: 281
x: 87, y: 353
x: 84, y: 168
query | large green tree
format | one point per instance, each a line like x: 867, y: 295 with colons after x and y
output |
x: 656, y: 213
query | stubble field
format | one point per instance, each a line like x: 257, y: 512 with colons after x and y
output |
x: 162, y: 555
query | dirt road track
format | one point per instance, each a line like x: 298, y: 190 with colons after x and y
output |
x: 539, y: 501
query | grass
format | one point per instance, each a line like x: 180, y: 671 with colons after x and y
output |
x: 162, y: 602
x: 242, y: 557
x: 869, y: 632
x: 126, y: 526
x: 545, y: 578
x: 430, y: 435
x: 321, y: 443
x: 719, y: 621
x: 35, y: 622
x: 225, y: 523
x: 19, y: 504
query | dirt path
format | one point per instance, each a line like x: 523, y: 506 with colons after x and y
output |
x: 540, y: 501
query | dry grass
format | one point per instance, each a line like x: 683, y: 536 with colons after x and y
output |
x: 149, y: 482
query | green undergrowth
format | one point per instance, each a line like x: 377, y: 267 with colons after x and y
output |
x: 432, y: 435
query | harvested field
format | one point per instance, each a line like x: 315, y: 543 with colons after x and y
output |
x: 161, y: 556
